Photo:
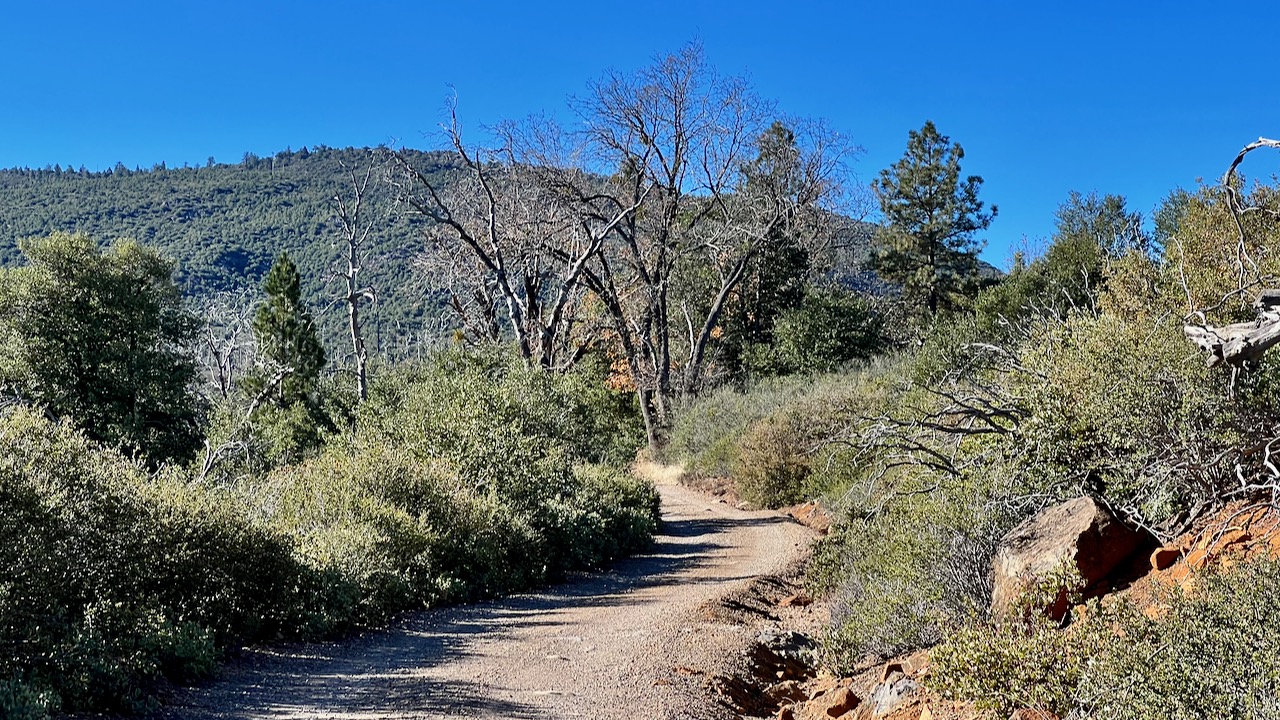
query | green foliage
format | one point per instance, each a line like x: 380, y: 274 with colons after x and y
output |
x: 709, y: 431
x: 1101, y: 394
x: 225, y: 222
x: 286, y: 335
x: 100, y: 338
x: 1092, y: 233
x: 284, y: 385
x: 1211, y: 655
x: 931, y: 215
x: 115, y: 581
x: 830, y: 328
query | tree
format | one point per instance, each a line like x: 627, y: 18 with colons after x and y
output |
x: 102, y: 339
x: 290, y: 355
x: 573, y: 238
x: 1092, y: 233
x: 931, y: 215
x: 357, y: 223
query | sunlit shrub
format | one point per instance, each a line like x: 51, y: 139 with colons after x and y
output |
x: 1212, y: 654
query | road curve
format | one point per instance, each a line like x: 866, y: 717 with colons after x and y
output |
x: 629, y: 643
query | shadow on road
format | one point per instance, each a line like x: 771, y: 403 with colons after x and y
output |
x: 388, y: 673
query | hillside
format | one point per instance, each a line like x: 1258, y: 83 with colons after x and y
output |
x: 225, y: 223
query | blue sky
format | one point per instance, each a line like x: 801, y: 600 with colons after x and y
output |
x: 1046, y: 97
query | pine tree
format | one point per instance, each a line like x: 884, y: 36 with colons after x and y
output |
x: 927, y: 244
x: 288, y: 345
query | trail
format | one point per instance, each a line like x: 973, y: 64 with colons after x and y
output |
x: 634, y: 642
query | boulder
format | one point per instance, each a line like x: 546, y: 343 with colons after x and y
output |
x: 890, y: 696
x: 1079, y: 534
x: 838, y: 703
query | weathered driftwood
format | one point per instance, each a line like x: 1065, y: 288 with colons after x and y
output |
x: 1240, y: 343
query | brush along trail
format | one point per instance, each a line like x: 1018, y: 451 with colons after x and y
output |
x: 641, y: 640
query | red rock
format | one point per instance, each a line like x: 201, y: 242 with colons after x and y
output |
x: 1164, y: 558
x: 889, y: 669
x: 1234, y: 537
x: 797, y: 600
x: 1197, y: 559
x: 840, y: 701
x: 1079, y: 534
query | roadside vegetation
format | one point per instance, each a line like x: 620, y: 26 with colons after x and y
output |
x: 1072, y: 375
x: 180, y: 477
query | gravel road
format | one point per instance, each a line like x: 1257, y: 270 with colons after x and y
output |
x: 636, y: 642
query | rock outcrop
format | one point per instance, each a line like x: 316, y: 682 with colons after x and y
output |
x: 1078, y: 536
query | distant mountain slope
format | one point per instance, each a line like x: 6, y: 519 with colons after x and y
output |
x: 224, y: 224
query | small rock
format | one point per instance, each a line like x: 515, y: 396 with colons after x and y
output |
x: 839, y: 701
x: 783, y: 655
x: 796, y: 600
x: 1197, y: 559
x: 785, y: 692
x: 891, y: 695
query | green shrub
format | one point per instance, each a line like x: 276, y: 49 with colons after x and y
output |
x: 829, y: 329
x: 708, y: 432
x: 463, y: 479
x: 1212, y: 655
x: 772, y: 462
x: 116, y: 579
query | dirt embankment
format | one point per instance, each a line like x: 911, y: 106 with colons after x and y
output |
x: 643, y: 640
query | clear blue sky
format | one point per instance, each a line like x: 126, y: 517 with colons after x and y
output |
x: 1134, y: 98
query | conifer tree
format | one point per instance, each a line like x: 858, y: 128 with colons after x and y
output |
x: 927, y: 244
x: 288, y: 344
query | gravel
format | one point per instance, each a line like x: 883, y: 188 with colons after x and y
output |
x: 633, y: 642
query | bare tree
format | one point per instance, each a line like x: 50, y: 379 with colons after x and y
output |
x: 1239, y: 344
x: 226, y: 344
x: 357, y: 222
x: 510, y: 249
x: 675, y: 166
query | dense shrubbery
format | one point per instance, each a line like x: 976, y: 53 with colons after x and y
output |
x: 1071, y: 377
x: 769, y: 438
x: 462, y: 479
x: 115, y: 579
x: 1211, y: 655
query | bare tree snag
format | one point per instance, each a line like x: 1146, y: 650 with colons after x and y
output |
x: 1238, y: 344
x: 357, y: 224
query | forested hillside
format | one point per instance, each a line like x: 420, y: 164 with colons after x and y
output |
x: 224, y: 224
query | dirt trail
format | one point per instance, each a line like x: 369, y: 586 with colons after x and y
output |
x: 602, y: 646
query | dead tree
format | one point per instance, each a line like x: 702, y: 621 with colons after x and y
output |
x: 511, y: 248
x: 1240, y: 344
x: 559, y: 239
x: 357, y: 222
x: 227, y: 344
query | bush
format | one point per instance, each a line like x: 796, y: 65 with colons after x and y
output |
x: 710, y: 433
x: 1211, y: 655
x: 116, y: 580
x: 829, y: 329
x: 463, y: 480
